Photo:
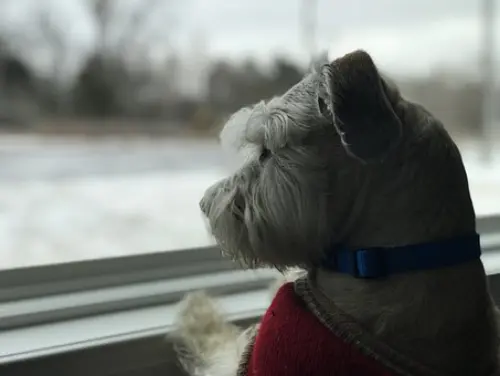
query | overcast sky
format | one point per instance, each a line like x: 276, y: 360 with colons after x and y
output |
x: 404, y: 36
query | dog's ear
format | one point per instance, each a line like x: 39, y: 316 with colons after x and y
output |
x: 353, y: 94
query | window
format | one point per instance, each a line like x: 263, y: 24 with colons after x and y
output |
x: 109, y: 111
x: 111, y: 131
x: 114, y: 139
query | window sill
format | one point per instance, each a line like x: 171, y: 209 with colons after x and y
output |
x: 103, y: 304
x: 103, y: 330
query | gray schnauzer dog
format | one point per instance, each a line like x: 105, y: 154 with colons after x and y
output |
x: 344, y: 158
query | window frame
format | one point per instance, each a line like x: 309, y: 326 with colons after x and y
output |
x: 44, y: 280
x: 68, y: 306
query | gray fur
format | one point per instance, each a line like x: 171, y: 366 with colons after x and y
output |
x: 343, y: 157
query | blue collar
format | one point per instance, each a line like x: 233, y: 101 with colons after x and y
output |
x: 382, y: 262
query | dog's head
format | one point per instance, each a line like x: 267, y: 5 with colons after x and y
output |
x: 310, y: 155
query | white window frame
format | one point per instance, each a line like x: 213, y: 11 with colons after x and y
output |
x: 54, y: 309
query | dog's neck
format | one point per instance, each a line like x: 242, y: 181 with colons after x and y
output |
x: 437, y: 309
x: 434, y: 317
x: 428, y: 314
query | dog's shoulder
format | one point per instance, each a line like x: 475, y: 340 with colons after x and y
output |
x: 291, y: 340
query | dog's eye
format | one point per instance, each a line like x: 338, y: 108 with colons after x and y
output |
x: 323, y: 108
x: 264, y: 155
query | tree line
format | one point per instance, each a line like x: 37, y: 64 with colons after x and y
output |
x: 110, y: 85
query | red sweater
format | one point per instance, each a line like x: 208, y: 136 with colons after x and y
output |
x: 291, y: 341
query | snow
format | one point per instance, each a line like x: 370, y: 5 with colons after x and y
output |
x: 56, y: 221
x: 47, y: 216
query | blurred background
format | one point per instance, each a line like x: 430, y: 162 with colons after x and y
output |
x: 109, y: 109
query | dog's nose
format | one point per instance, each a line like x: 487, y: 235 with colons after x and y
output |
x: 205, y: 202
x: 208, y: 198
x: 203, y: 205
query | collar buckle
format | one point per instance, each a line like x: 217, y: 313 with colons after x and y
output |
x: 369, y: 263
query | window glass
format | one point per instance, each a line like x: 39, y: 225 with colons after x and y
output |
x: 109, y: 109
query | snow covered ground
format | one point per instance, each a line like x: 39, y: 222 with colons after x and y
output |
x: 62, y: 200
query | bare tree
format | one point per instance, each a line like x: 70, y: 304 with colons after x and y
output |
x: 17, y: 84
x: 102, y: 10
x: 108, y: 83
x: 136, y: 26
x: 53, y: 35
x: 47, y: 33
x: 108, y: 70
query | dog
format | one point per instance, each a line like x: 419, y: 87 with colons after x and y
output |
x: 343, y: 161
